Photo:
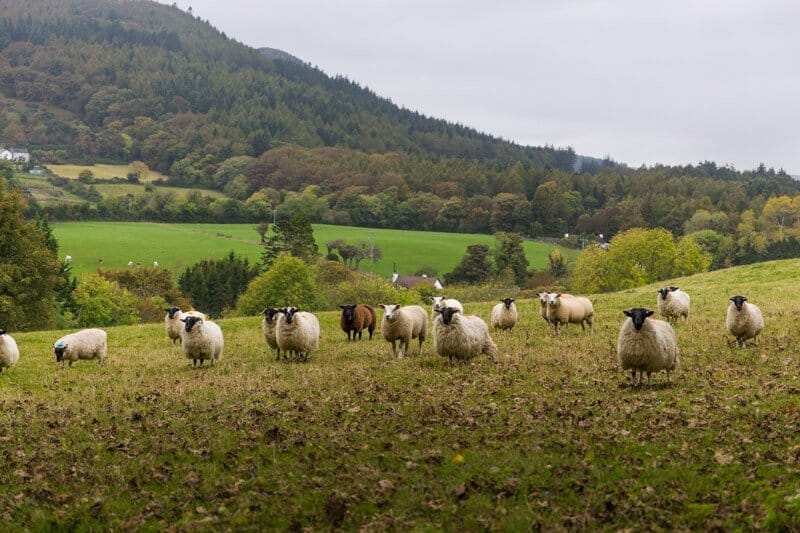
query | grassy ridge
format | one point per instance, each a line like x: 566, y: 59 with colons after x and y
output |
x: 550, y: 436
x: 100, y: 171
x: 176, y: 246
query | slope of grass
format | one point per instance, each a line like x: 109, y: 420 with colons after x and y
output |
x: 176, y: 246
x: 114, y: 190
x: 100, y: 171
x: 548, y: 437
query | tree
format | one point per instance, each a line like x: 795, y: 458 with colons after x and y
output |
x: 295, y: 236
x: 86, y: 176
x: 474, y: 267
x: 214, y: 285
x: 509, y: 254
x: 102, y: 302
x: 29, y: 268
x: 365, y: 250
x: 557, y: 264
x: 287, y: 282
x: 139, y: 172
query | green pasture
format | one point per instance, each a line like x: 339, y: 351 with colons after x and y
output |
x: 550, y: 436
x: 100, y: 171
x: 177, y: 246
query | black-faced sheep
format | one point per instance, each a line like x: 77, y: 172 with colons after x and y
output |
x: 202, y: 339
x: 568, y: 309
x: 646, y: 345
x: 84, y: 344
x: 440, y: 302
x: 9, y: 351
x: 673, y: 303
x: 403, y: 323
x: 744, y: 320
x: 504, y: 315
x: 461, y: 337
x: 268, y: 325
x: 356, y: 318
x: 297, y: 332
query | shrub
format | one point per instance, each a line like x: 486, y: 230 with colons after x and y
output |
x: 374, y: 290
x: 287, y: 282
x: 102, y: 302
x: 215, y: 285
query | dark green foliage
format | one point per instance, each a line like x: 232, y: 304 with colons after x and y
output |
x: 214, y: 285
x: 508, y: 254
x: 29, y: 268
x: 287, y: 282
x: 295, y: 237
x: 474, y: 267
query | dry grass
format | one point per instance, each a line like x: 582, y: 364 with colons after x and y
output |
x: 100, y: 171
x: 550, y: 436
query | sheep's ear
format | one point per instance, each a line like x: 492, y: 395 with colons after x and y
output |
x: 648, y: 312
x: 183, y: 320
x: 2, y: 332
x: 430, y: 299
x: 512, y: 299
x: 398, y: 306
x: 744, y: 299
x: 382, y: 306
x: 437, y: 310
x: 558, y: 295
x: 166, y: 310
x: 731, y: 298
x: 627, y: 312
x: 342, y: 307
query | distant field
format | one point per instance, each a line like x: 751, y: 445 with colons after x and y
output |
x: 99, y: 171
x: 45, y: 192
x: 176, y: 246
x: 114, y: 190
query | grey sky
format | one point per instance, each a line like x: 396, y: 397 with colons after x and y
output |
x: 643, y: 82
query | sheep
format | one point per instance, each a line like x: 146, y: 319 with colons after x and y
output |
x: 504, y: 314
x: 155, y: 264
x: 461, y: 337
x: 9, y: 352
x: 201, y: 339
x: 744, y: 320
x: 172, y: 323
x: 268, y: 325
x: 403, y: 323
x: 356, y: 318
x: 68, y: 259
x: 443, y: 301
x: 298, y: 332
x: 673, y: 303
x: 646, y: 345
x: 130, y: 264
x: 568, y: 309
x: 84, y: 344
x: 543, y: 297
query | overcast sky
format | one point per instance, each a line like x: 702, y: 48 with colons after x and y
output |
x: 643, y: 82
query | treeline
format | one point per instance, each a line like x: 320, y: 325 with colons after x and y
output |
x: 103, y: 80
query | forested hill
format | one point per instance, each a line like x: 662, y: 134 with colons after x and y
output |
x: 123, y: 80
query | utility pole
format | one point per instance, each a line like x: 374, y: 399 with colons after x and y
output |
x: 372, y: 251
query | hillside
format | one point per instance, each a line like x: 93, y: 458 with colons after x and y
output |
x: 141, y: 80
x: 550, y: 435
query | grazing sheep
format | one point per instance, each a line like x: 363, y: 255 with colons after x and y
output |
x: 68, y: 259
x: 202, y: 339
x: 84, y: 344
x: 673, y: 303
x: 356, y: 318
x: 297, y: 332
x: 403, y: 323
x: 568, y: 309
x: 504, y: 314
x: 744, y: 320
x: 172, y: 323
x: 9, y: 351
x: 268, y: 325
x: 461, y: 337
x: 646, y: 345
x: 130, y: 264
x: 543, y: 297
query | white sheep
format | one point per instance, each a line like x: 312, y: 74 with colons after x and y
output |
x: 155, y: 264
x: 130, y: 264
x: 568, y: 309
x: 84, y: 344
x: 504, y: 314
x: 461, y: 337
x: 173, y: 324
x: 403, y: 323
x: 9, y: 351
x: 440, y: 302
x: 201, y: 339
x: 646, y: 345
x: 744, y: 320
x: 68, y: 259
x: 268, y: 325
x: 543, y: 298
x: 673, y: 303
x: 297, y: 332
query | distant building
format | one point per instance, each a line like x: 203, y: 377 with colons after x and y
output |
x: 36, y: 171
x: 410, y: 282
x: 17, y: 155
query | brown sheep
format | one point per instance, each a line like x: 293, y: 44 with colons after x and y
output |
x: 356, y: 318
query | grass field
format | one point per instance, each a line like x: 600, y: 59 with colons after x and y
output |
x: 114, y: 190
x: 99, y: 171
x: 176, y: 246
x: 548, y: 437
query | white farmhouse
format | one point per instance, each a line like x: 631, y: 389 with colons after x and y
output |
x: 17, y: 155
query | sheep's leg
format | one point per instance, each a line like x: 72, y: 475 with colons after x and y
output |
x: 591, y: 326
x: 394, y: 348
x: 70, y: 363
x: 421, y: 340
x: 583, y: 325
x: 649, y: 379
x: 669, y: 376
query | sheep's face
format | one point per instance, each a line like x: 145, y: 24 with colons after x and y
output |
x: 507, y: 302
x: 171, y: 311
x: 542, y: 298
x: 270, y: 313
x: 289, y: 313
x: 390, y: 311
x: 663, y: 292
x: 738, y: 301
x: 438, y: 301
x: 348, y: 312
x: 638, y: 315
x: 3, y: 332
x: 447, y: 314
x: 552, y: 299
x: 59, y: 350
x: 190, y: 321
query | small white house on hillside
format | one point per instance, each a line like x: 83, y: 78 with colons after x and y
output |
x: 17, y: 155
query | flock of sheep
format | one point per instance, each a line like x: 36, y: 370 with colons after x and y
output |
x: 645, y: 345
